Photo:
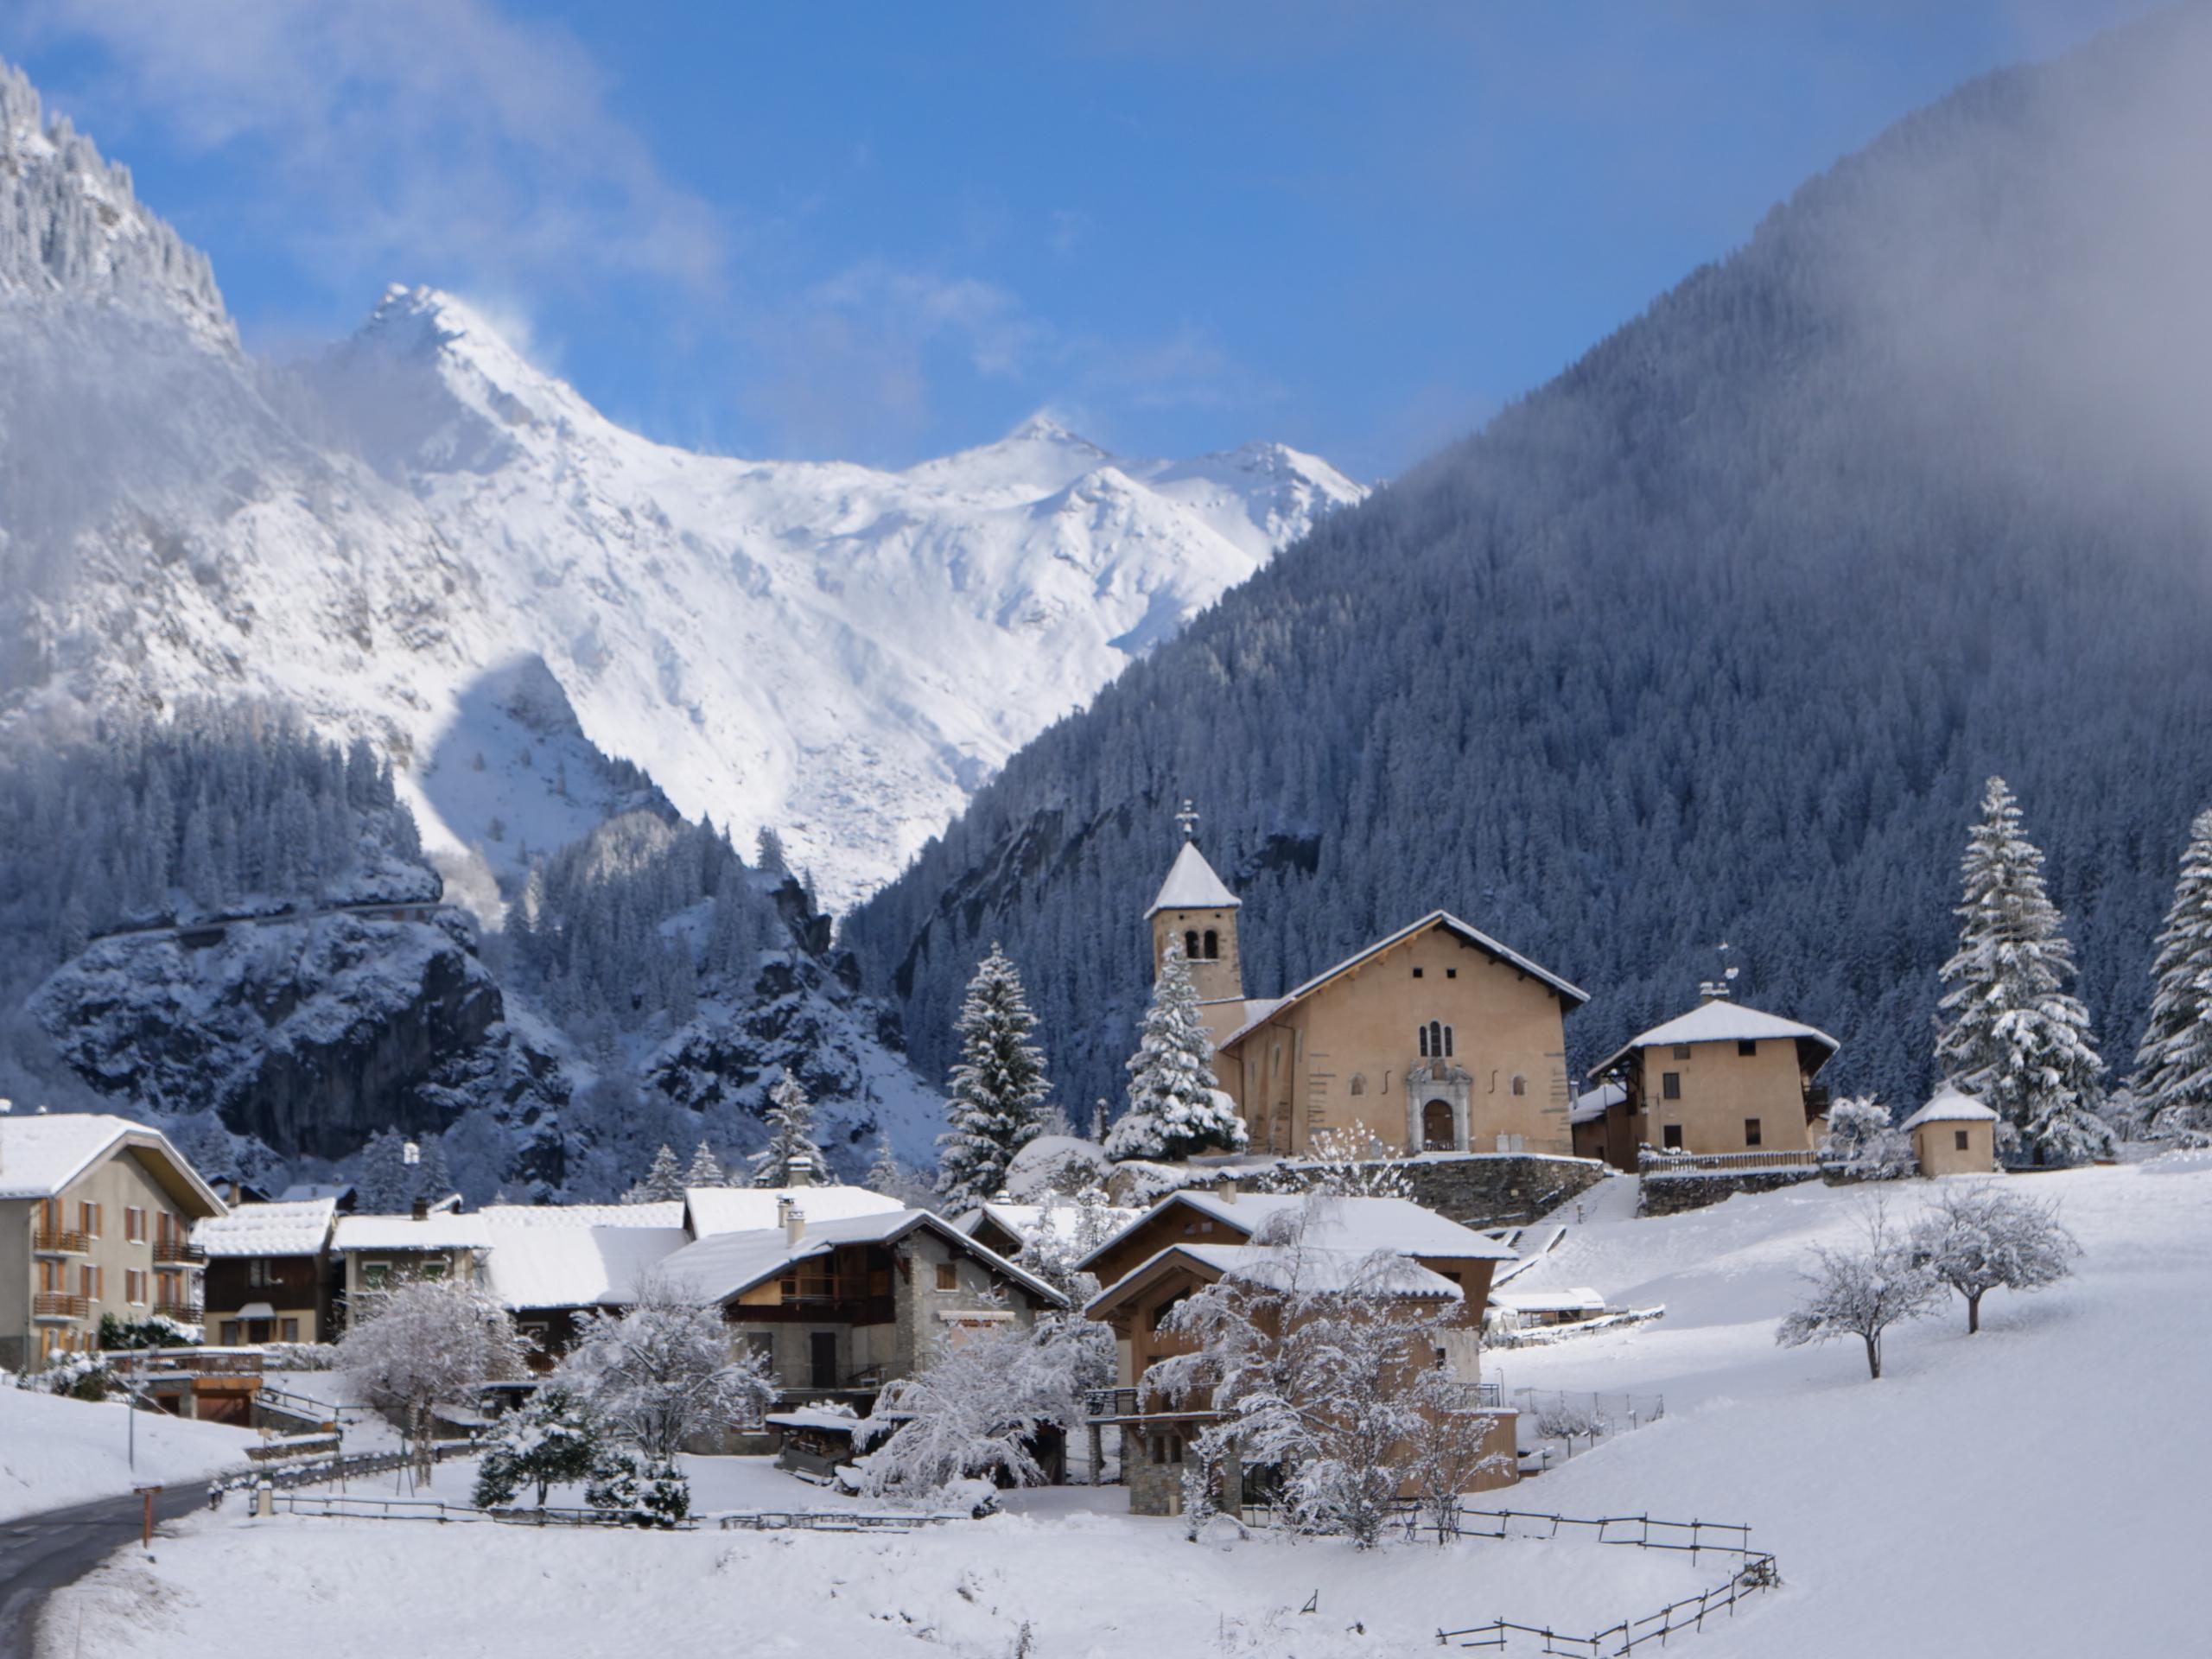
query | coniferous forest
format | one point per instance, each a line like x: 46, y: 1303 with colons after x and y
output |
x: 1713, y: 640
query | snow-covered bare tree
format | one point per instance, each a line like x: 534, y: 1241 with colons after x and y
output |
x: 1176, y: 1104
x: 662, y: 1370
x: 1448, y: 1450
x: 663, y: 1179
x: 1340, y: 1164
x: 1863, y: 1141
x: 2173, y: 1063
x: 1067, y: 1230
x: 706, y: 1169
x: 973, y: 1412
x: 1313, y: 1355
x: 425, y: 1344
x: 998, y: 1087
x: 791, y: 1138
x: 1985, y: 1237
x: 2013, y: 1036
x: 1863, y: 1290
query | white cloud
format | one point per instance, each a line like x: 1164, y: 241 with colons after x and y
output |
x: 420, y: 139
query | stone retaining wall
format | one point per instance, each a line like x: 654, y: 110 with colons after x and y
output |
x: 1669, y: 1195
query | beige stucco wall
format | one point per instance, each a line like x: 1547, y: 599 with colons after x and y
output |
x: 116, y: 1183
x: 1721, y: 1088
x: 1294, y: 1075
x: 1219, y: 982
x: 1936, y: 1146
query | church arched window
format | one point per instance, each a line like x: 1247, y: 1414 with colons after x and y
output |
x: 1213, y: 945
x: 1423, y: 1034
x: 1520, y: 1084
x: 1447, y: 1042
x: 1190, y: 944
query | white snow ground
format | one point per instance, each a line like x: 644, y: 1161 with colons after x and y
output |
x: 2032, y: 1491
x: 54, y: 1452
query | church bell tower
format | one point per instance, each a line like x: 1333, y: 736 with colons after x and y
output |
x: 1196, y: 910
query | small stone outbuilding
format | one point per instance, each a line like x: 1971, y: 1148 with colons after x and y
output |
x: 1954, y: 1135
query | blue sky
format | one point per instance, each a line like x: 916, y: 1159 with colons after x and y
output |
x: 885, y: 231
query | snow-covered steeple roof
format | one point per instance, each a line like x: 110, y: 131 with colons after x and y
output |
x: 1950, y: 1106
x: 1719, y: 1022
x: 1192, y: 884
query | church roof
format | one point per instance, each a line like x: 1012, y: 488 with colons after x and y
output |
x: 1443, y: 919
x: 1718, y: 1021
x: 1191, y: 885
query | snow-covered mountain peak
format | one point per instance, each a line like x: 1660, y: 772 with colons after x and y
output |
x: 70, y: 226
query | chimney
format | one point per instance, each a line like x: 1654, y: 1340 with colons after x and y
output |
x: 1228, y: 1191
x: 1710, y: 990
x: 422, y: 1209
x: 794, y: 1223
x: 798, y: 1170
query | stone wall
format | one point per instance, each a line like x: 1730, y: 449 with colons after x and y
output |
x: 1669, y: 1195
x: 1480, y: 1189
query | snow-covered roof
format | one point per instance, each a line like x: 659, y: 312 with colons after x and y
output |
x: 1192, y: 884
x: 1592, y: 1103
x: 532, y: 1265
x: 667, y: 1212
x: 439, y: 1230
x: 299, y: 1228
x: 1359, y: 1225
x: 1023, y: 1220
x: 723, y: 1265
x: 300, y: 1191
x: 41, y: 1152
x: 1259, y: 1011
x: 1718, y: 1021
x: 815, y: 1417
x: 712, y: 1209
x: 1579, y: 1300
x: 1950, y: 1106
x: 1277, y: 1265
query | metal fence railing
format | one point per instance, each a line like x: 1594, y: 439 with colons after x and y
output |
x: 1650, y: 1162
x: 1567, y: 1418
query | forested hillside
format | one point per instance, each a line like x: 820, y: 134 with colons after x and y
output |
x: 1715, y: 637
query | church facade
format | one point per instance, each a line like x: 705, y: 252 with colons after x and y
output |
x: 1436, y: 1039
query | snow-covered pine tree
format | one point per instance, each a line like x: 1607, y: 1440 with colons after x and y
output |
x: 433, y: 1172
x: 998, y: 1087
x: 706, y: 1169
x: 662, y: 1181
x: 1176, y: 1106
x: 2013, y: 1036
x: 2173, y: 1063
x: 887, y: 1175
x: 790, y: 1137
x: 384, y: 1184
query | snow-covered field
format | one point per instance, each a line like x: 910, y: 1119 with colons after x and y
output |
x: 2029, y: 1490
x: 54, y: 1452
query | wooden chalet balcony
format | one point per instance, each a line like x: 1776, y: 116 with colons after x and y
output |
x: 182, y: 1312
x: 177, y: 1250
x: 56, y: 1240
x: 59, y: 1304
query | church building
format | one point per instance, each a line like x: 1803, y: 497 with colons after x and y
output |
x: 1437, y: 1039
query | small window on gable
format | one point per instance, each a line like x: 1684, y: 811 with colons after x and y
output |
x: 1520, y: 1084
x: 1359, y: 1084
x: 1747, y: 1045
x: 948, y: 1276
x: 1959, y: 1139
x: 1450, y: 973
x: 1681, y: 1051
x: 1416, y: 973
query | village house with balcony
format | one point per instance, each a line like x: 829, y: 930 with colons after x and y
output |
x: 270, y: 1277
x: 96, y: 1217
x: 1191, y: 1239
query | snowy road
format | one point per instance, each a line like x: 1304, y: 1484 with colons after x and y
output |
x: 39, y: 1554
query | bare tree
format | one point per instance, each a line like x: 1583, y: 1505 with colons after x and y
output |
x: 1985, y: 1237
x: 1448, y: 1447
x: 1863, y: 1291
x: 425, y: 1344
x: 662, y: 1370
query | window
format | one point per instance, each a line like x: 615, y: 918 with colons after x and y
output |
x: 1520, y: 1084
x: 1435, y: 1040
x: 1747, y: 1046
x: 257, y: 1272
x: 88, y: 1219
x: 134, y: 1287
x: 1167, y: 1448
x: 1670, y: 1137
x: 948, y: 1276
x: 134, y: 1224
x: 287, y: 1329
x: 1421, y: 1034
x: 1670, y: 1085
x: 1158, y: 1314
x: 230, y: 1333
x: 1959, y: 1139
x: 168, y: 1289
x: 1359, y: 1084
x: 1190, y: 944
x: 1450, y: 973
x: 1416, y: 973
x: 1681, y: 1051
x: 1213, y: 945
x: 435, y: 1267
x: 88, y: 1283
x: 375, y: 1275
x: 1751, y: 1132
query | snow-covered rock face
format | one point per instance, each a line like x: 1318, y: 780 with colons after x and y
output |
x: 69, y: 223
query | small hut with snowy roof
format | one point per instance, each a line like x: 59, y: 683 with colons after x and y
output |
x: 1954, y: 1135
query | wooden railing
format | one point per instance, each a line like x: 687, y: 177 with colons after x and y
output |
x: 182, y: 1312
x: 179, y: 1250
x: 59, y: 1304
x: 1650, y: 1162
x: 56, y: 1240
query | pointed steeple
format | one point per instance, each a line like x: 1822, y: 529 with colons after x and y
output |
x: 1192, y: 884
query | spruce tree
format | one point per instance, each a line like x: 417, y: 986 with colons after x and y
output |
x: 433, y: 1174
x: 661, y: 1182
x: 382, y: 1182
x: 1176, y: 1107
x: 2013, y: 1036
x: 706, y: 1169
x: 2173, y: 1063
x: 887, y: 1175
x: 998, y: 1087
x: 790, y: 1137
